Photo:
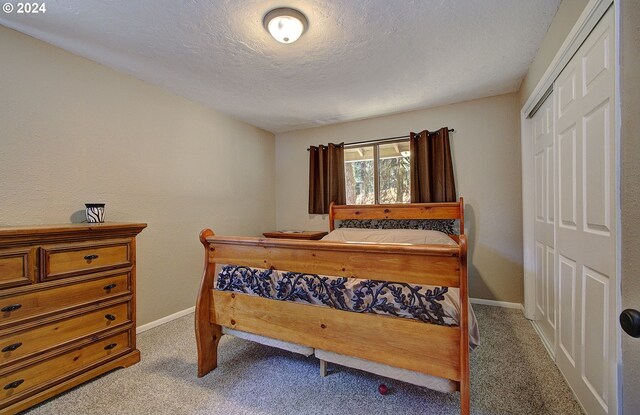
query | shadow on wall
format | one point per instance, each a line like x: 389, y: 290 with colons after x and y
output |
x: 78, y: 216
x: 504, y: 271
x: 477, y: 287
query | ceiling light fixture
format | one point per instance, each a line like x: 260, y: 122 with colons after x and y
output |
x: 286, y: 25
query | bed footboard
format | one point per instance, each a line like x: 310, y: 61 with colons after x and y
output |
x: 432, y: 349
x: 427, y: 348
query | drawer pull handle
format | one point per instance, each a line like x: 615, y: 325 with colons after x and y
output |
x: 110, y: 286
x: 110, y: 346
x: 110, y: 317
x: 11, y: 347
x: 91, y: 257
x: 14, y: 384
x: 12, y: 307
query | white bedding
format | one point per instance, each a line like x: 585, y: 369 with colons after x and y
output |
x: 390, y: 236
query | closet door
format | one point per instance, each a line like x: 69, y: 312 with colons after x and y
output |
x: 586, y: 221
x: 544, y: 196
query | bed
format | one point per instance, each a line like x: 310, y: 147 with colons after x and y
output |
x: 372, y: 305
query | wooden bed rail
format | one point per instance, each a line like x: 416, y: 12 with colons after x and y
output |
x: 414, y: 264
x: 425, y: 348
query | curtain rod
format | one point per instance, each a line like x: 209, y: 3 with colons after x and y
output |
x: 379, y: 140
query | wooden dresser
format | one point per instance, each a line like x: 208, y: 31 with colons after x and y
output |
x: 67, y: 307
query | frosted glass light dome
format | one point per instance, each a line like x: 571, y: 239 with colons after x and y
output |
x: 285, y: 25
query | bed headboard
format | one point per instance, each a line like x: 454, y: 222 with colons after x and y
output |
x: 405, y: 211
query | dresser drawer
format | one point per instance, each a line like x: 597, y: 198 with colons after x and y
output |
x: 66, y: 260
x: 44, y: 338
x: 29, y: 379
x: 17, y: 308
x: 17, y: 266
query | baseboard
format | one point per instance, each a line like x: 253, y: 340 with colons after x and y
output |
x: 495, y: 303
x: 546, y: 344
x: 166, y: 319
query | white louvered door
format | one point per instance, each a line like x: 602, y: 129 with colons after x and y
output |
x: 544, y: 196
x: 586, y: 222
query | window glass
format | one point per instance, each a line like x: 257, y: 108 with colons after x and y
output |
x: 393, y: 173
x: 390, y: 161
x: 359, y: 175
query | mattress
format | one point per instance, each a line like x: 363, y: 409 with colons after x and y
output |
x: 390, y: 236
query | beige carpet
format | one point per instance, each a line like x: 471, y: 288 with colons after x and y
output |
x: 511, y: 373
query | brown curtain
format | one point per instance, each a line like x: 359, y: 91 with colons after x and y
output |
x: 431, y: 167
x: 326, y: 177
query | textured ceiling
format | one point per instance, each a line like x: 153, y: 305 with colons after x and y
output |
x: 359, y: 58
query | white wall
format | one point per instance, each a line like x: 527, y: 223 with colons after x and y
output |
x: 73, y: 131
x: 486, y: 153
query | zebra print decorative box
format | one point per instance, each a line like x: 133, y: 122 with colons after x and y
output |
x: 95, y: 212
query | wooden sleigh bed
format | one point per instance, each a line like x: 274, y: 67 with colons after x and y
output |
x: 432, y: 349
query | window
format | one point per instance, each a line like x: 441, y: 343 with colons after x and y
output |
x: 377, y: 173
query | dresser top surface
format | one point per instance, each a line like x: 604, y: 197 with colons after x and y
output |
x: 121, y: 228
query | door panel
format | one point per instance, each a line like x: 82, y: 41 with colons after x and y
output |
x: 596, y: 60
x: 596, y: 170
x: 567, y: 309
x: 586, y: 229
x: 551, y: 290
x: 567, y: 180
x: 551, y: 185
x: 540, y: 279
x: 544, y: 171
x: 540, y: 185
x: 595, y: 294
x: 566, y: 93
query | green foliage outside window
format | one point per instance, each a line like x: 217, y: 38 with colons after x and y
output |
x: 393, y: 181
